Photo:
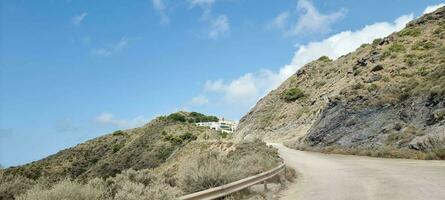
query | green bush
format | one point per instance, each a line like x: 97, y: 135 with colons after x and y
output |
x: 413, y: 32
x: 179, y: 139
x: 118, y: 133
x: 196, y: 117
x: 117, y: 147
x: 188, y: 136
x: 397, y: 47
x: 376, y: 42
x: 174, y: 139
x: 422, y: 71
x: 324, y: 59
x: 372, y: 87
x: 177, y: 117
x: 292, y: 94
x: 423, y: 45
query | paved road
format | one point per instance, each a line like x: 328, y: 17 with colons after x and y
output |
x: 329, y: 177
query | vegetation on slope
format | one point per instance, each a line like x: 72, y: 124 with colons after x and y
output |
x: 161, y: 160
x: 387, y: 97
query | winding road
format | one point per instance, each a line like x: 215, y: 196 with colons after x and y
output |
x: 343, y: 177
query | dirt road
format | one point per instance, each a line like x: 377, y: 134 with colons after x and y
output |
x: 326, y: 177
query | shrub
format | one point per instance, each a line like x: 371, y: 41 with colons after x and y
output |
x: 118, y: 133
x: 188, y: 136
x: 117, y: 147
x: 376, y: 41
x: 179, y: 139
x: 404, y: 96
x: 198, y: 117
x: 137, y: 191
x: 66, y: 190
x: 385, y: 55
x: 292, y: 94
x: 372, y: 87
x: 413, y: 32
x: 397, y: 47
x: 177, y: 117
x: 206, y: 171
x: 324, y: 59
x: 422, y: 71
x: 319, y: 84
x: 357, y: 86
x: 143, y: 184
x: 212, y: 169
x: 174, y: 139
x: 423, y: 45
x: 12, y: 185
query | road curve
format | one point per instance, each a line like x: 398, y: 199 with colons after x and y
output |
x: 343, y: 177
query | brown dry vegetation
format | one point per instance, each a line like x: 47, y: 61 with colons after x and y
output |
x: 387, y: 152
x: 168, y: 157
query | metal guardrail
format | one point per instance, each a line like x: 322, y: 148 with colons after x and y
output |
x: 236, y: 186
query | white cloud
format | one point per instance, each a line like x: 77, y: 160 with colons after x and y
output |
x: 311, y: 20
x: 109, y: 119
x: 219, y: 26
x: 200, y: 100
x: 247, y: 89
x: 111, y: 48
x: 160, y: 7
x: 280, y: 21
x: 207, y: 3
x: 433, y: 8
x: 77, y: 20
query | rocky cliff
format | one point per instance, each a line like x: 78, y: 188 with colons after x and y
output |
x: 388, y: 94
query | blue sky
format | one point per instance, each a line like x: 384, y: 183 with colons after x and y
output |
x: 74, y: 70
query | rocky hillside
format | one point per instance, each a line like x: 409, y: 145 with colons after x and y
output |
x: 140, y: 148
x: 386, y: 95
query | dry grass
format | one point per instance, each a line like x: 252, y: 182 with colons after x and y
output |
x: 384, y: 152
x: 206, y: 165
x: 213, y: 169
x: 66, y: 190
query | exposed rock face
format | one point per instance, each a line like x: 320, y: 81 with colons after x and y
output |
x: 387, y: 94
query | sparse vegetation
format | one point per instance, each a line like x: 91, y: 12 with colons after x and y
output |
x: 383, y: 152
x: 293, y: 94
x: 206, y: 167
x: 400, y: 79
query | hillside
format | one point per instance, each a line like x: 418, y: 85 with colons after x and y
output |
x: 139, y: 148
x: 168, y: 157
x: 385, y: 96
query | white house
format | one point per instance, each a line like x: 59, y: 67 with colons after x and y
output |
x: 227, y: 126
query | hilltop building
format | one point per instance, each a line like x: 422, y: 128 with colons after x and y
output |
x: 225, y: 126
